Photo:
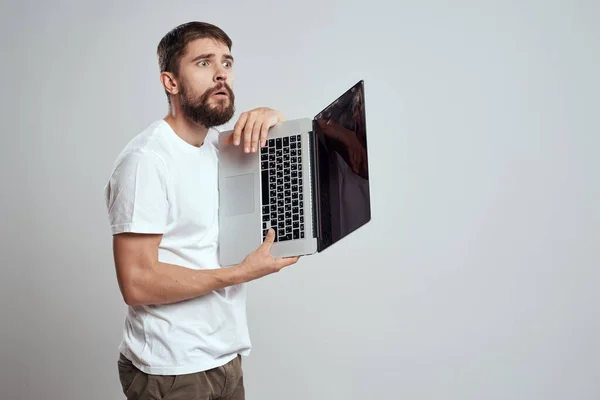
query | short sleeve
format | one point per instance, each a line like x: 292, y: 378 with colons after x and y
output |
x: 136, y: 194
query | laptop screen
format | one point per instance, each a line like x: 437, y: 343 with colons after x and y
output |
x: 343, y: 171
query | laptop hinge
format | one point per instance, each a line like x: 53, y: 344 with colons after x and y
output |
x: 314, y: 173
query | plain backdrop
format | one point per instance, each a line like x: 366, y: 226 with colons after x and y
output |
x: 478, y: 275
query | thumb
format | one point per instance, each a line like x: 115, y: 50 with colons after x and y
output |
x: 268, y: 240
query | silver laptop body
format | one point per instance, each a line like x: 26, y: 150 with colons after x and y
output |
x: 246, y: 205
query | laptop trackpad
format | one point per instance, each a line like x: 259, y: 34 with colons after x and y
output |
x: 238, y: 198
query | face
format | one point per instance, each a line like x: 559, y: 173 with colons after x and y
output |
x: 206, y: 83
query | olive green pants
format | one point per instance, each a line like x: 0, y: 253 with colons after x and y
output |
x: 221, y: 383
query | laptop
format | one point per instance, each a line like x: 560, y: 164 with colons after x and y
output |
x: 310, y: 183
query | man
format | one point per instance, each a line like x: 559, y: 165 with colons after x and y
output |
x: 185, y: 330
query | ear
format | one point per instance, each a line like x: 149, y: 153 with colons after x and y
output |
x: 169, y: 83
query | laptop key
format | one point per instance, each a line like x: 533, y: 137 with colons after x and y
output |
x: 296, y: 225
x: 286, y: 141
x: 296, y: 234
x: 278, y: 143
x: 266, y: 209
x: 296, y: 217
x: 288, y: 200
x: 265, y: 187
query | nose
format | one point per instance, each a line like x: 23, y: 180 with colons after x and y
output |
x: 221, y: 75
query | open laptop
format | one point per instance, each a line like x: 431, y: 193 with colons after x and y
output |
x: 310, y: 183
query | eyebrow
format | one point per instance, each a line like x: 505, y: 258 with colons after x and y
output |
x: 211, y: 55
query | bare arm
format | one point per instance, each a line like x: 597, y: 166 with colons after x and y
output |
x: 144, y: 280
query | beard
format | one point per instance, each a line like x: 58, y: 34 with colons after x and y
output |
x: 200, y: 111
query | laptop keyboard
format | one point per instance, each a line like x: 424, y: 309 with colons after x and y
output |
x: 282, y: 197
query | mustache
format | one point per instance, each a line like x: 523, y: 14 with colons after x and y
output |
x: 220, y: 88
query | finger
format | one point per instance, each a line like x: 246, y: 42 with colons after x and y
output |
x: 286, y: 262
x: 229, y: 139
x: 237, y: 129
x: 248, y: 132
x: 256, y: 131
x: 268, y: 242
x: 264, y: 131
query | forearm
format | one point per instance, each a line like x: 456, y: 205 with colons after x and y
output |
x: 167, y: 283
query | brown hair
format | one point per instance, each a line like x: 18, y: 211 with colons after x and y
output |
x: 173, y: 45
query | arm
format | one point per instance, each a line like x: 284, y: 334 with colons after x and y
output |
x: 144, y: 280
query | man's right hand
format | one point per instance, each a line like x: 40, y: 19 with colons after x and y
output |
x: 260, y: 262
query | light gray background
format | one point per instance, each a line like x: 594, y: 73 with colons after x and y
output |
x: 478, y: 276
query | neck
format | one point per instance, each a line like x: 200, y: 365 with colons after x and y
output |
x: 188, y: 130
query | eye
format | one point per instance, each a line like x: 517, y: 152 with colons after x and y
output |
x: 203, y: 63
x: 227, y: 64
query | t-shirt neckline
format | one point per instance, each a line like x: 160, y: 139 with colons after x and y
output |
x: 182, y: 143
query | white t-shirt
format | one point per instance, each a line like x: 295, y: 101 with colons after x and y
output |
x: 162, y: 184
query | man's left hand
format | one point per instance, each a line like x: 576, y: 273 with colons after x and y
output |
x: 253, y: 126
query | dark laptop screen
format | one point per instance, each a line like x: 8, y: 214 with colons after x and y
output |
x: 343, y: 173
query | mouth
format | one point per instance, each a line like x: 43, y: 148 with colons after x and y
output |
x: 221, y: 94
